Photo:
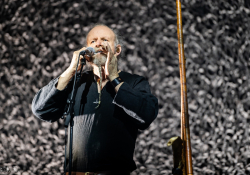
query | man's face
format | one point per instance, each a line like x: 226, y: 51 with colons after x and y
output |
x: 96, y: 38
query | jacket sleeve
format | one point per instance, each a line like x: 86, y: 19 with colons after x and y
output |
x: 49, y: 102
x: 138, y: 102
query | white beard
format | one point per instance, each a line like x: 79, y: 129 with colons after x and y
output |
x: 99, y: 59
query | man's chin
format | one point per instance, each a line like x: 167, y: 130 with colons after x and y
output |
x: 99, y: 59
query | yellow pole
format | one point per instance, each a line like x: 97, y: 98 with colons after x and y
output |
x: 185, y: 133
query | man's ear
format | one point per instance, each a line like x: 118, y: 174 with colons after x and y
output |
x: 118, y: 50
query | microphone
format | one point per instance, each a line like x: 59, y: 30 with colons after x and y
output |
x: 87, y: 54
x: 89, y: 51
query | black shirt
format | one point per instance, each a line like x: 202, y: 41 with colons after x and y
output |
x: 104, y: 137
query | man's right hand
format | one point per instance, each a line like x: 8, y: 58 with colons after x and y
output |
x: 70, y: 71
x: 74, y: 60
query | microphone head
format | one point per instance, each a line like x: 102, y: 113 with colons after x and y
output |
x: 90, y: 50
x: 88, y: 53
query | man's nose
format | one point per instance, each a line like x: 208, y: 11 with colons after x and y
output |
x: 98, y: 43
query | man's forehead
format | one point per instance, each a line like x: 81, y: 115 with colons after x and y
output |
x: 101, y: 31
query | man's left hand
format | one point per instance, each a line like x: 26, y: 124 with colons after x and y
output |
x: 111, y: 70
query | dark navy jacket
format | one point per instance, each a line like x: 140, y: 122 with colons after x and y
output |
x: 103, y: 138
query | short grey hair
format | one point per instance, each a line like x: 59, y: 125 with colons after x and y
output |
x: 118, y: 39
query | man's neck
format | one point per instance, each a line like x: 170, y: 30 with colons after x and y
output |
x: 97, y: 73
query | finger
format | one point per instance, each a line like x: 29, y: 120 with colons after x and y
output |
x: 106, y: 64
x: 76, y: 53
x: 110, y: 51
x: 88, y: 58
x: 83, y: 48
x: 108, y: 47
x: 105, y: 48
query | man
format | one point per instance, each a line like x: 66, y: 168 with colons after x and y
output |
x: 110, y: 106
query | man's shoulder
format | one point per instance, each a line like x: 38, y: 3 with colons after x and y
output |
x: 130, y: 78
x: 129, y: 75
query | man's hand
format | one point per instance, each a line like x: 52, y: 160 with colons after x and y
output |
x: 70, y: 71
x: 111, y: 70
x: 74, y: 60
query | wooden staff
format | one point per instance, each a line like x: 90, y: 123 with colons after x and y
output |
x: 182, y: 146
x: 185, y: 133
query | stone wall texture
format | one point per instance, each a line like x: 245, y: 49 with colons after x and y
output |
x: 37, y: 40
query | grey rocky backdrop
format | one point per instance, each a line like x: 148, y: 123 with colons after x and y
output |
x: 37, y: 39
